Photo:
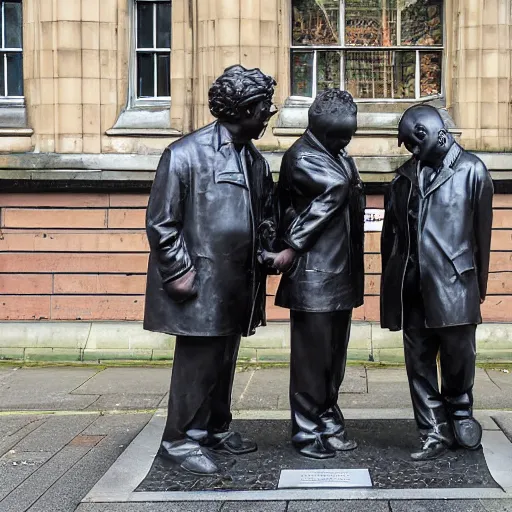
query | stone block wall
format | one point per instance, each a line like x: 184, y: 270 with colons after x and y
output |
x: 77, y: 57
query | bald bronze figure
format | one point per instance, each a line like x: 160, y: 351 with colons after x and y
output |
x: 435, y: 261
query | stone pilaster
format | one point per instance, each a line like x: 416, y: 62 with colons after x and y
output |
x: 481, y: 72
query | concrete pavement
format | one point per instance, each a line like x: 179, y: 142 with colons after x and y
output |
x: 62, y: 428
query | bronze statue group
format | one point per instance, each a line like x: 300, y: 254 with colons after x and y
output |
x: 217, y: 227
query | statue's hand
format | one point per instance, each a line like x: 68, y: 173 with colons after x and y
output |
x: 183, y: 288
x: 284, y: 260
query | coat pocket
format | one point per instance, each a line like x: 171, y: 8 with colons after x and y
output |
x: 463, y: 261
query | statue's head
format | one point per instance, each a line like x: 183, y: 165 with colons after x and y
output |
x: 242, y: 98
x: 333, y: 119
x: 422, y: 131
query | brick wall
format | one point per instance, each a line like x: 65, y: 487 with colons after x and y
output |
x: 81, y: 256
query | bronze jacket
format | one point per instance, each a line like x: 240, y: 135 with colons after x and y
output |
x: 454, y: 238
x: 321, y: 207
x: 204, y: 211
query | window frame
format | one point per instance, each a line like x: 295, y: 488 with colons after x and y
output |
x: 11, y: 100
x: 134, y: 100
x: 343, y: 49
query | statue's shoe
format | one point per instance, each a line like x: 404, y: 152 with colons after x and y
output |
x: 314, y: 451
x: 341, y: 443
x: 230, y: 442
x: 312, y: 445
x: 432, y: 449
x: 468, y: 432
x: 190, y: 457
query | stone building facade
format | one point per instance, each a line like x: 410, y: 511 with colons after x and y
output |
x: 92, y: 91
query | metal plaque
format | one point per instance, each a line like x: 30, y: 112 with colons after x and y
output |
x: 335, y: 478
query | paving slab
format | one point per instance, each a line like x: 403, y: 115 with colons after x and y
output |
x: 45, y: 389
x: 33, y: 487
x: 338, y: 506
x: 16, y: 468
x: 126, y: 401
x: 67, y: 492
x: 497, y: 505
x: 9, y: 425
x: 115, y: 381
x: 117, y: 423
x: 6, y: 373
x: 262, y: 390
x: 502, y: 378
x: 55, y: 433
x: 381, y: 395
x: 254, y: 506
x: 151, y: 507
x: 379, y: 375
x: 504, y: 420
x: 9, y: 441
x: 437, y: 506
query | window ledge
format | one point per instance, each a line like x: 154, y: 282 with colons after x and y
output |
x: 13, y: 118
x: 16, y: 132
x: 373, y: 119
x: 141, y: 132
x: 152, y: 121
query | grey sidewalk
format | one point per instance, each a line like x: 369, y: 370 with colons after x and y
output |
x: 118, y: 389
x: 62, y: 428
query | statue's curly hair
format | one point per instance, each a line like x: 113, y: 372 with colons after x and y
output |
x: 332, y: 101
x: 236, y: 88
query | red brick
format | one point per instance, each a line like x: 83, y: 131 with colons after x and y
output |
x: 24, y: 307
x: 372, y: 284
x: 97, y: 308
x: 497, y: 308
x: 375, y: 202
x: 372, y: 242
x: 25, y: 284
x: 501, y: 261
x: 502, y: 219
x: 73, y: 263
x: 129, y: 200
x: 55, y: 200
x: 80, y: 284
x: 369, y: 311
x: 500, y: 283
x: 275, y: 313
x: 272, y: 284
x: 372, y: 264
x: 64, y: 241
x: 48, y: 218
x: 501, y: 240
x: 502, y: 201
x: 124, y: 219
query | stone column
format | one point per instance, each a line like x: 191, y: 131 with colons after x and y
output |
x: 481, y: 74
x: 182, y: 65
